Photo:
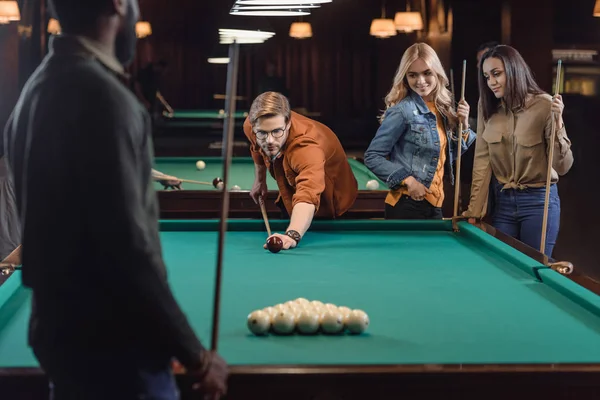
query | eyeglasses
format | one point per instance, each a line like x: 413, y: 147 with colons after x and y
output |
x: 276, y: 133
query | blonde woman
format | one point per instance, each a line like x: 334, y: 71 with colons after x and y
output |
x: 416, y: 145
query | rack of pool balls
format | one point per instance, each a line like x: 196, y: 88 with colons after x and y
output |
x: 308, y: 318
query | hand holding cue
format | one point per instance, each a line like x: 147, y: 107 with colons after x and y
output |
x: 549, y: 168
x: 264, y: 214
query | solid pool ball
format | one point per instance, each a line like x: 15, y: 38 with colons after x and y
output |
x: 307, y: 323
x: 357, y: 322
x: 200, y: 164
x: 218, y: 183
x: 274, y: 244
x: 259, y: 322
x: 284, y: 323
x: 332, y: 322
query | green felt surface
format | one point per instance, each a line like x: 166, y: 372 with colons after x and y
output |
x: 241, y: 172
x: 204, y: 114
x: 433, y: 296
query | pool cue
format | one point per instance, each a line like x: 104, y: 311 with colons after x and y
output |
x: 264, y: 214
x: 229, y: 125
x: 459, y: 144
x: 195, y: 182
x: 452, y: 85
x: 169, y: 177
x: 549, y: 170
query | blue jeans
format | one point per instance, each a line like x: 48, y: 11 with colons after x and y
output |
x: 113, y: 377
x: 519, y: 213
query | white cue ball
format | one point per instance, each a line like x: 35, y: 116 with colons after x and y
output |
x: 200, y: 164
x: 331, y: 307
x: 259, y: 322
x: 284, y: 323
x: 357, y: 322
x: 332, y: 322
x: 235, y: 187
x: 307, y: 323
x: 372, y: 184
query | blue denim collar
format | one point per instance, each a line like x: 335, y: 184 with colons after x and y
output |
x: 419, y: 102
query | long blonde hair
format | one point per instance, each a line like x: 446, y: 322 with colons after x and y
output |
x: 441, y: 95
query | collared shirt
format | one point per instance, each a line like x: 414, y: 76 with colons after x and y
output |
x: 312, y: 167
x: 514, y: 146
x: 80, y: 154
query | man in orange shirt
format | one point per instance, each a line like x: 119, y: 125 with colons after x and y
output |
x: 306, y: 160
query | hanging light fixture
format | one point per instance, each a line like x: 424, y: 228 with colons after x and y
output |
x: 408, y: 21
x: 597, y: 9
x: 143, y: 29
x: 9, y: 11
x: 383, y: 27
x: 274, y: 11
x: 301, y: 30
x: 218, y: 60
x: 54, y: 27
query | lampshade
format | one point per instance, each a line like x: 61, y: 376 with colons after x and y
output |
x: 9, y: 11
x: 143, y: 29
x: 301, y: 30
x: 54, y: 27
x: 408, y: 21
x: 597, y: 9
x: 383, y: 28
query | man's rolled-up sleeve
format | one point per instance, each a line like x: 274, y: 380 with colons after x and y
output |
x: 307, y: 160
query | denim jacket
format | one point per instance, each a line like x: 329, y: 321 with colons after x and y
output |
x: 409, y: 136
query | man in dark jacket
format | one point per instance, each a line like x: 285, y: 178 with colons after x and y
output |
x: 104, y: 322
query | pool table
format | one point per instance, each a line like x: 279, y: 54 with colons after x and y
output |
x: 201, y: 118
x: 204, y: 201
x: 452, y: 311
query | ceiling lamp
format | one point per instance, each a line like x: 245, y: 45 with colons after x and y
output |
x: 408, y: 21
x: 218, y: 60
x: 269, y: 12
x: 143, y: 29
x: 9, y: 11
x: 383, y: 28
x: 279, y: 2
x: 597, y: 9
x: 54, y: 27
x: 229, y: 36
x: 301, y: 30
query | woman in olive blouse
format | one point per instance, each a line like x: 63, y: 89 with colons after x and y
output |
x: 514, y: 130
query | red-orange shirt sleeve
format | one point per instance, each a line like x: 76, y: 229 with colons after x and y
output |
x: 307, y: 160
x: 255, y: 151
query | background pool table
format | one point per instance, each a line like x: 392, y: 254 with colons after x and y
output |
x: 449, y: 310
x: 202, y: 201
x: 190, y: 132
